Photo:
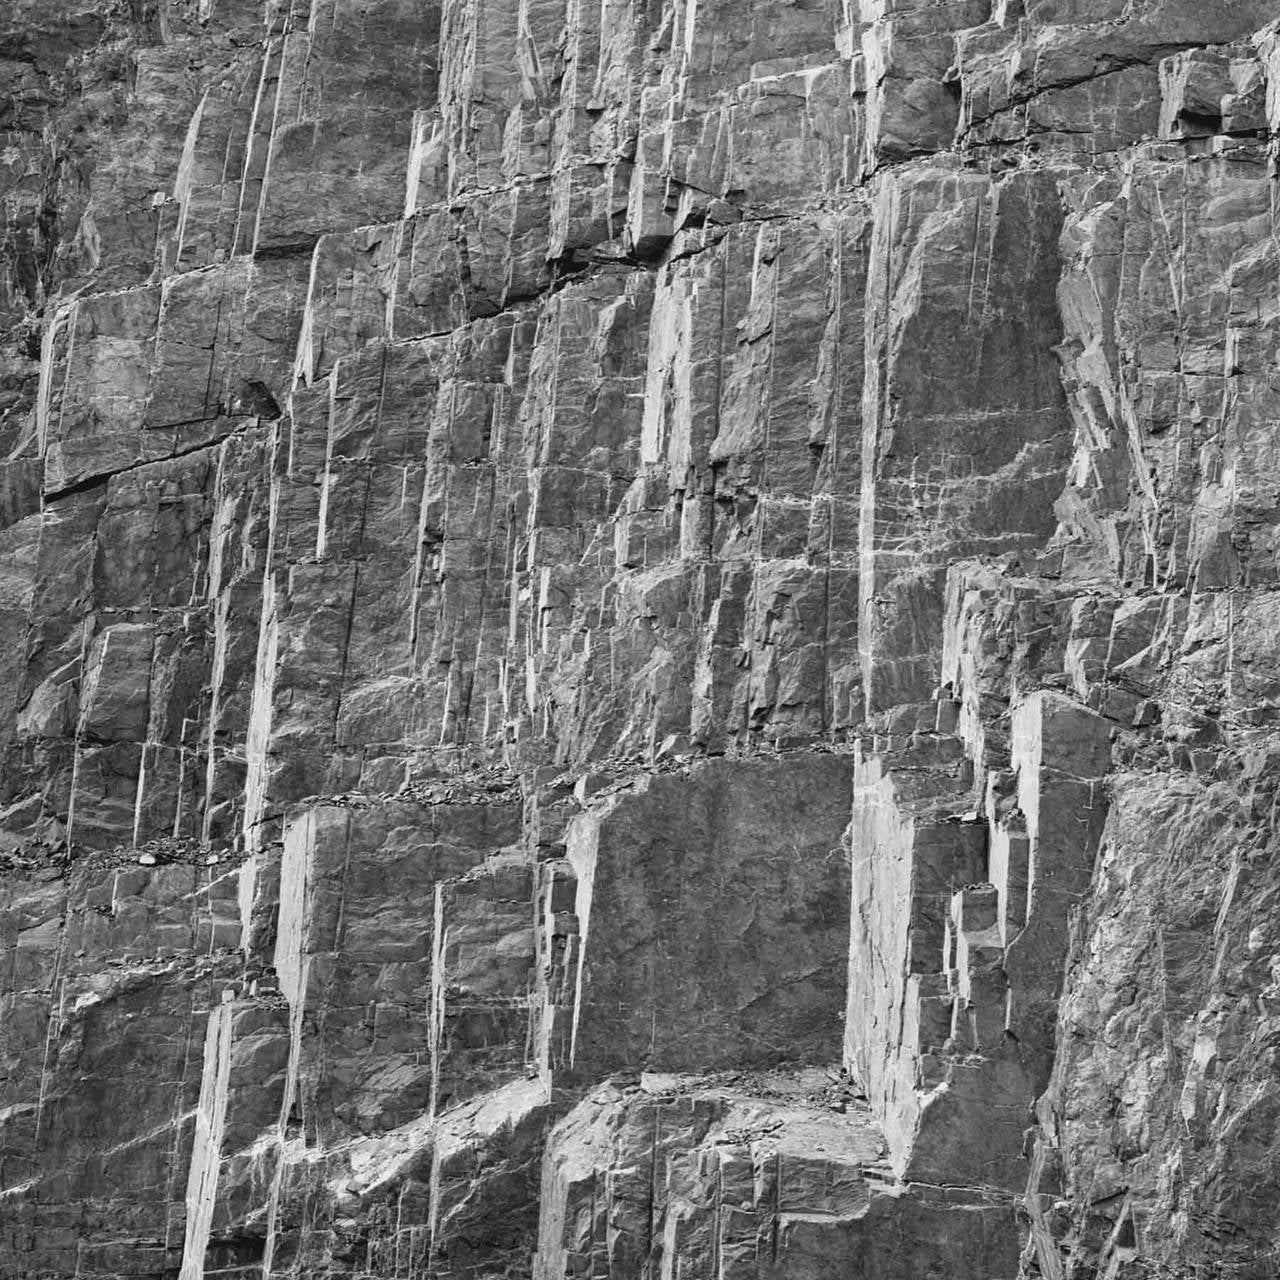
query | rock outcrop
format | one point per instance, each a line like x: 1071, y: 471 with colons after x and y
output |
x: 637, y: 639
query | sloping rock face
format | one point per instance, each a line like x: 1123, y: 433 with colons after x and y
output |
x: 638, y: 639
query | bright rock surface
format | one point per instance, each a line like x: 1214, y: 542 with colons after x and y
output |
x: 638, y: 640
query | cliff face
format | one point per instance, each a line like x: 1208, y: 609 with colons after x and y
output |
x: 637, y: 639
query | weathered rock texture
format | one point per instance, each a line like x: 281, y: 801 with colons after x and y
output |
x: 638, y: 639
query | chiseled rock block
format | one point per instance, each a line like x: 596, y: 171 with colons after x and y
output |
x: 1208, y: 91
x: 485, y: 1185
x: 482, y: 979
x: 111, y: 957
x: 755, y: 846
x: 751, y: 1179
x: 95, y: 376
x: 981, y: 475
x: 960, y: 933
x: 246, y: 1053
x: 357, y: 947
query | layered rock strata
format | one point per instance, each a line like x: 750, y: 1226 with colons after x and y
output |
x: 637, y: 640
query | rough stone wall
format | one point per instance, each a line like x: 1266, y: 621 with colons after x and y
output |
x: 637, y: 639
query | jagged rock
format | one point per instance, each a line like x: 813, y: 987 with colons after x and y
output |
x: 638, y: 639
x: 672, y: 1179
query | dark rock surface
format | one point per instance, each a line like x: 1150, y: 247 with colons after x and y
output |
x: 638, y: 639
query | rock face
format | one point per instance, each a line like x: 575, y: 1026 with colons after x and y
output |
x: 637, y: 639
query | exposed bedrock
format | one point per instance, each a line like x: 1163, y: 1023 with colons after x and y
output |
x: 638, y: 640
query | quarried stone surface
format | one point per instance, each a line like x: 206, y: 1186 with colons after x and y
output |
x: 637, y: 640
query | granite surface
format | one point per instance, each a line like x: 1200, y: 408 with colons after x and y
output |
x: 638, y: 639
